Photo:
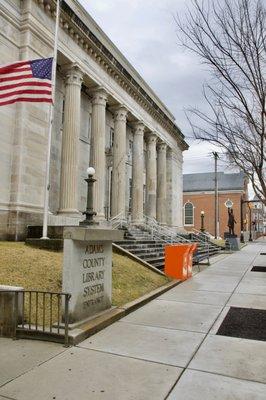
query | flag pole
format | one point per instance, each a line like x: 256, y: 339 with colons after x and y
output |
x: 51, y: 117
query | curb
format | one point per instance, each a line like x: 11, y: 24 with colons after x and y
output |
x: 98, y: 323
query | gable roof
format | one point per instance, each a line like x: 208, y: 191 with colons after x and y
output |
x: 205, y: 181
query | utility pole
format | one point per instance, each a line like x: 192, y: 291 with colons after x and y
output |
x: 216, y: 194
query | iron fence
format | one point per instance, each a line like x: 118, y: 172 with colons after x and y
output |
x: 40, y: 315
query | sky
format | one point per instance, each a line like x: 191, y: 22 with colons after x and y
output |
x: 145, y: 32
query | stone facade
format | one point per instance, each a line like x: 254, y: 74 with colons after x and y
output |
x: 105, y: 116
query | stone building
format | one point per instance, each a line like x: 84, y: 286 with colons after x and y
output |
x: 106, y: 116
x: 199, y: 196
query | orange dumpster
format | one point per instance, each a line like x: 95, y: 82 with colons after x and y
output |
x: 192, y: 250
x: 176, y: 260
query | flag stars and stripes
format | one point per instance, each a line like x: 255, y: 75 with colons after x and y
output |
x: 28, y: 81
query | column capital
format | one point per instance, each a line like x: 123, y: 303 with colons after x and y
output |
x: 169, y: 152
x: 162, y: 146
x: 152, y: 137
x: 138, y: 128
x: 73, y: 74
x: 99, y: 96
x: 120, y: 113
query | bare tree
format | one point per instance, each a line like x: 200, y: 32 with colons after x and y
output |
x: 230, y: 38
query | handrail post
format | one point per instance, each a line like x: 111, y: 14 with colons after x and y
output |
x: 67, y: 297
x: 15, y: 316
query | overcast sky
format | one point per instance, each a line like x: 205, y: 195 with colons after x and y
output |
x: 145, y: 32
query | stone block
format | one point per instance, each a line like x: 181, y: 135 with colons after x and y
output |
x: 87, y: 272
x: 7, y: 309
x: 234, y: 243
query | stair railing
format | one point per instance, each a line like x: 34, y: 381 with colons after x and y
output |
x: 161, y: 232
x: 118, y: 221
x: 201, y: 234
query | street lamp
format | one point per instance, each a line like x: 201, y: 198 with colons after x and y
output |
x: 241, y: 221
x: 202, y: 214
x: 250, y: 223
x: 89, y: 220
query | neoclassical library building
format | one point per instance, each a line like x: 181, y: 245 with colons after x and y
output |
x: 106, y: 116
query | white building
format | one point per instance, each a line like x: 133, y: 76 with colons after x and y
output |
x: 106, y: 116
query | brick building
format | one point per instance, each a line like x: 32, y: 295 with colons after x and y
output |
x: 199, y: 195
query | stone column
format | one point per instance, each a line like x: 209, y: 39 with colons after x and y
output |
x: 161, y: 183
x: 68, y: 204
x: 119, y: 162
x: 169, y: 187
x: 151, y: 176
x: 98, y: 161
x: 137, y: 173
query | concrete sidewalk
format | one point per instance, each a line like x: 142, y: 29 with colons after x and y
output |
x: 167, y: 349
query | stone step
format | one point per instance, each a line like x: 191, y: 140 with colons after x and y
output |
x: 143, y: 246
x: 159, y: 265
x: 148, y: 251
x: 141, y: 238
x: 155, y: 260
x: 151, y: 256
x: 137, y: 242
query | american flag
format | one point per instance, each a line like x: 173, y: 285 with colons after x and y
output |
x: 26, y: 81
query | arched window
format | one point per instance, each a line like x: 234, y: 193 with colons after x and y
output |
x: 189, y: 213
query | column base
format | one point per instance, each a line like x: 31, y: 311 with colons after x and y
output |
x: 69, y: 212
x: 69, y: 216
x: 137, y: 222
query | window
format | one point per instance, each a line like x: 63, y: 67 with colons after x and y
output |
x: 130, y: 148
x: 63, y: 112
x: 111, y: 141
x: 130, y: 195
x: 189, y: 213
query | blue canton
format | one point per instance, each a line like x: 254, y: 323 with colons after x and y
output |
x: 42, y: 68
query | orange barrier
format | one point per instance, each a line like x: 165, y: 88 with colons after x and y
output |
x: 192, y: 250
x: 176, y: 260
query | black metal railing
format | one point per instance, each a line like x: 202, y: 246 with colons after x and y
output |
x: 40, y: 315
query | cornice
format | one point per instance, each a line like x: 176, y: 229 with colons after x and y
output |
x: 223, y: 191
x: 86, y: 39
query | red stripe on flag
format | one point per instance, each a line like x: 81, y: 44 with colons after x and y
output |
x: 16, y: 70
x: 33, y: 100
x: 6, y: 69
x: 25, y: 91
x: 15, y: 78
x: 20, y: 84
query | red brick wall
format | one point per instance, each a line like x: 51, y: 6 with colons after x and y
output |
x: 205, y: 202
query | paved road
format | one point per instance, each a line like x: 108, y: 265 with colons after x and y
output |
x: 167, y: 349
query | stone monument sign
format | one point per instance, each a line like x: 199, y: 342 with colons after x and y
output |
x: 87, y: 271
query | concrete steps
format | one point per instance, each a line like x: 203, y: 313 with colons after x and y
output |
x: 141, y: 244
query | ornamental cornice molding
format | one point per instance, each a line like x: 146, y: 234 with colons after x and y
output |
x: 82, y: 35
